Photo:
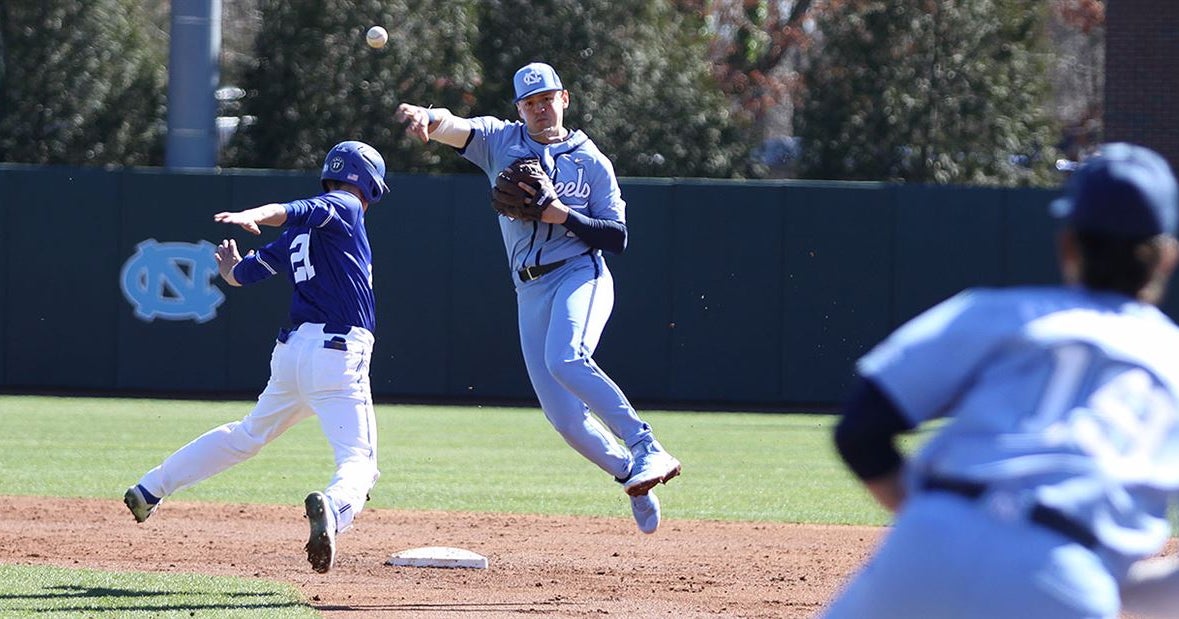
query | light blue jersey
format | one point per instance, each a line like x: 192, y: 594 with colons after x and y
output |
x: 1058, y: 396
x: 582, y: 175
x: 562, y: 314
x: 1054, y: 469
x: 1045, y: 493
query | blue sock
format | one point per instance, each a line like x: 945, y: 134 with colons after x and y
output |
x: 149, y: 497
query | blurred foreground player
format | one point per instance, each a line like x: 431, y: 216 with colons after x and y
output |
x: 1047, y: 488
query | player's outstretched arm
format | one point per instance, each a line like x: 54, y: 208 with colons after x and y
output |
x: 437, y: 123
x: 251, y: 219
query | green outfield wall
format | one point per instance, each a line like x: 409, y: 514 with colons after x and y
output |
x: 731, y: 294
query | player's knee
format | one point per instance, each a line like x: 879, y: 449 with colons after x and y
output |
x: 566, y: 370
x: 243, y: 441
x: 572, y: 426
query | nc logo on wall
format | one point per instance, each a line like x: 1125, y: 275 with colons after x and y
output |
x: 172, y: 281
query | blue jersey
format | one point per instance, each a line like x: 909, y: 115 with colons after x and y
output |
x: 324, y: 251
x: 1056, y: 395
x: 582, y: 175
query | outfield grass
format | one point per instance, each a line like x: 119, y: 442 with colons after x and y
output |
x: 737, y: 466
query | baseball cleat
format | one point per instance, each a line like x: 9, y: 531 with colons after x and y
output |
x: 139, y: 505
x: 652, y: 466
x: 646, y: 510
x: 321, y: 545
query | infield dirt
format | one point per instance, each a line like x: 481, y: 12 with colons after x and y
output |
x: 545, y: 566
x: 548, y: 566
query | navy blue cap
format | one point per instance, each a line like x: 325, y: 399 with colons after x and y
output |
x: 535, y: 78
x: 1124, y: 191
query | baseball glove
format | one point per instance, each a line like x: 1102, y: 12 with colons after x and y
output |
x: 510, y: 199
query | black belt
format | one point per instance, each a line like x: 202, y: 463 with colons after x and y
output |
x: 528, y: 274
x: 1047, y: 517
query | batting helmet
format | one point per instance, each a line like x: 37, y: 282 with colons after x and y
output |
x: 357, y: 163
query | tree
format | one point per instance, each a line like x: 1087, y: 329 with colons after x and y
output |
x: 650, y: 103
x: 1078, y: 78
x: 949, y: 91
x: 80, y: 83
x: 754, y: 50
x: 315, y: 82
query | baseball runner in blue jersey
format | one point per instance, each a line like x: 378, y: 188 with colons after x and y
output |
x: 564, y: 291
x: 320, y: 363
x: 1045, y: 493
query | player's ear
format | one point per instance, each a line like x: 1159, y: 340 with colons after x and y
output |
x: 1168, y: 255
x: 1068, y: 254
x: 564, y: 99
x: 1167, y: 249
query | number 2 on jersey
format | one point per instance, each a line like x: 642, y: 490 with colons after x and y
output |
x: 301, y: 267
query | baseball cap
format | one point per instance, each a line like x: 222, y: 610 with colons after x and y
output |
x: 1124, y: 190
x: 535, y: 78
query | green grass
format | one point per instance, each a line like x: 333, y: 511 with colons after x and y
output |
x: 737, y: 466
x: 56, y: 592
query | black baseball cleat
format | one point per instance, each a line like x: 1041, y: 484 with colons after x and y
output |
x: 139, y: 505
x: 321, y: 545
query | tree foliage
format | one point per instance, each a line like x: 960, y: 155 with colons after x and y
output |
x: 754, y: 46
x: 926, y: 91
x: 80, y: 83
x: 650, y: 104
x: 949, y: 91
x: 316, y: 82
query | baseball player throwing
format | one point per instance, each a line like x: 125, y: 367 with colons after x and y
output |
x: 320, y: 364
x: 1047, y: 489
x: 564, y: 291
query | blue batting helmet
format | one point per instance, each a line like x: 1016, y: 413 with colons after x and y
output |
x: 357, y: 163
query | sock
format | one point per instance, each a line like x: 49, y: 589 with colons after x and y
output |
x: 147, y: 496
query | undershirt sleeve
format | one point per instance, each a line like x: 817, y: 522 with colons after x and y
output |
x: 605, y: 234
x: 866, y: 433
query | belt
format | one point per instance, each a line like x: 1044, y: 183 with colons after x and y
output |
x: 528, y: 274
x: 335, y: 343
x: 1048, y: 517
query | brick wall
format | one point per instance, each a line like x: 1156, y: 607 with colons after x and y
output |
x: 1142, y: 74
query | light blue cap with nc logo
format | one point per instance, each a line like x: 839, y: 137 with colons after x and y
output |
x: 535, y: 78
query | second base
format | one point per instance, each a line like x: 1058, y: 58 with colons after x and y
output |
x: 438, y: 556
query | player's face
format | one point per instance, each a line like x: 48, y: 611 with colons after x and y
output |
x: 544, y: 113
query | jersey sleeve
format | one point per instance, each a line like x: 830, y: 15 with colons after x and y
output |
x: 485, y: 136
x: 605, y: 200
x: 272, y: 259
x: 310, y: 212
x: 930, y: 361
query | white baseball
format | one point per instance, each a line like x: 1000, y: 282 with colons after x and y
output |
x: 376, y: 37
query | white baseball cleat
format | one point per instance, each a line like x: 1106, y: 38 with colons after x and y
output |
x: 646, y: 510
x: 652, y: 466
x: 138, y: 504
x: 321, y: 545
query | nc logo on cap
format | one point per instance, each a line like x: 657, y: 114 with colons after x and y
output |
x: 534, y: 78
